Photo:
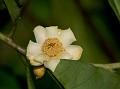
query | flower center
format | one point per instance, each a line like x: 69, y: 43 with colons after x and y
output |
x: 52, y: 47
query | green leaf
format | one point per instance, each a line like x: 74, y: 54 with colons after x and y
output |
x: 115, y: 4
x: 7, y: 81
x: 13, y: 9
x: 77, y: 75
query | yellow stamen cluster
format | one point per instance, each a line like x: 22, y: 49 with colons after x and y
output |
x: 52, y: 47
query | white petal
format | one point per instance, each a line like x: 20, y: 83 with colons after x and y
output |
x: 67, y: 37
x: 33, y: 50
x: 40, y: 58
x: 34, y: 63
x: 75, y: 51
x: 52, y: 64
x: 40, y: 34
x: 52, y: 31
x: 66, y: 55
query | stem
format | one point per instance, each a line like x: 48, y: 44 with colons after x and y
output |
x: 10, y: 42
x: 30, y: 80
x: 108, y: 66
x: 12, y: 32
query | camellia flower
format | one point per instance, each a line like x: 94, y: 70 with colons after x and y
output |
x: 52, y: 45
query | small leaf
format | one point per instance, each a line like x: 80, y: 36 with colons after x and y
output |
x: 13, y: 9
x: 77, y: 75
x: 115, y: 4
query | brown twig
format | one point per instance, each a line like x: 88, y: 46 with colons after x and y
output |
x: 10, y: 42
x: 111, y: 66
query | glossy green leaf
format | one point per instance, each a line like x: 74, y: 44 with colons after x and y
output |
x: 77, y: 75
x: 7, y: 81
x: 13, y: 9
x: 115, y: 4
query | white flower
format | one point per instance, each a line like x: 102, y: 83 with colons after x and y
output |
x: 52, y: 45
